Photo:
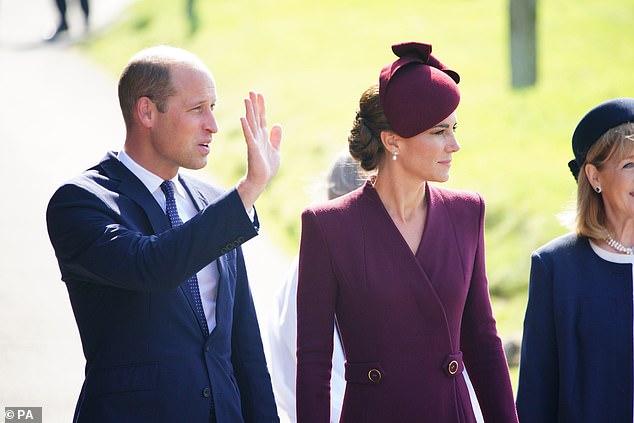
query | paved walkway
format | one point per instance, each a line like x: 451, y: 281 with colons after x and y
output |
x: 58, y: 115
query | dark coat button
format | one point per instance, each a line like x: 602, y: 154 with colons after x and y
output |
x: 206, y: 392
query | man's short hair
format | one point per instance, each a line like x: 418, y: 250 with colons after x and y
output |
x: 148, y: 74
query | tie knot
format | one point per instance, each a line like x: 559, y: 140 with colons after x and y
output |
x: 168, y: 189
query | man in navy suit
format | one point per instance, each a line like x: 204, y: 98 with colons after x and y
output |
x: 152, y: 353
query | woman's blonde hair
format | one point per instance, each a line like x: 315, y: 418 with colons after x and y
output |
x: 617, y: 142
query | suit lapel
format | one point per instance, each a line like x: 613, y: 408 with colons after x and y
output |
x: 133, y: 188
x: 201, y: 201
x: 222, y: 297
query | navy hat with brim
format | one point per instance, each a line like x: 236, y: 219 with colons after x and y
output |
x: 595, y: 123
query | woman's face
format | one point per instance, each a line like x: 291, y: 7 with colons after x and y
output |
x: 427, y: 156
x: 616, y: 179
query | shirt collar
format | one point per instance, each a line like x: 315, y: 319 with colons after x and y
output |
x: 151, y: 181
x: 609, y: 255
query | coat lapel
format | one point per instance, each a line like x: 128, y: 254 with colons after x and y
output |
x: 440, y: 254
x: 417, y: 278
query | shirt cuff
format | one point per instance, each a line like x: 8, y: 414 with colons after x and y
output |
x: 251, y: 214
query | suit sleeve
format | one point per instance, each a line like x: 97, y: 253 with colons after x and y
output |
x: 103, y: 238
x: 482, y: 348
x: 249, y: 362
x: 316, y: 298
x: 538, y: 381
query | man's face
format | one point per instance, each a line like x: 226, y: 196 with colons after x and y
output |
x: 181, y: 136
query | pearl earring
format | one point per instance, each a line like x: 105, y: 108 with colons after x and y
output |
x: 598, y: 190
x: 394, y: 155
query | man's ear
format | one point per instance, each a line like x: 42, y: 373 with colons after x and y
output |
x: 145, y: 111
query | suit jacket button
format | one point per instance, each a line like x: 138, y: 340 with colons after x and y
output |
x: 206, y: 392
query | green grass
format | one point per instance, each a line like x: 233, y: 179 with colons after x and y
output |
x: 312, y: 60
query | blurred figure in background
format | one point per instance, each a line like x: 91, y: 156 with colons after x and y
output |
x: 343, y: 177
x: 576, y: 357
x: 62, y: 26
x: 192, y: 17
x: 399, y: 264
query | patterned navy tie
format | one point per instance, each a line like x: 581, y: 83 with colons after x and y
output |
x: 175, y: 220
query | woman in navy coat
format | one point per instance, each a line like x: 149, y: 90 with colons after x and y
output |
x: 576, y: 358
x: 399, y: 264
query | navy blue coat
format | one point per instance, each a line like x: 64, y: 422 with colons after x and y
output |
x: 147, y: 359
x: 576, y: 358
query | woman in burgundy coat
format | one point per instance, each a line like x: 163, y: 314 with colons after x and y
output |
x: 400, y: 265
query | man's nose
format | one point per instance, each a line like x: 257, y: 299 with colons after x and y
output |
x: 210, y: 122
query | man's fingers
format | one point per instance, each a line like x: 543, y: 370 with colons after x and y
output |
x: 255, y: 104
x: 276, y: 136
x: 246, y: 130
x: 262, y: 110
x: 250, y: 115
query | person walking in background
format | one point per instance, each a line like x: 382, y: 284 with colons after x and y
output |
x: 399, y: 264
x: 62, y: 26
x: 343, y: 177
x: 576, y: 356
x: 152, y: 261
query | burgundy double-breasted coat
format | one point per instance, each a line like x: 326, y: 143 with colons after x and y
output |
x: 407, y: 321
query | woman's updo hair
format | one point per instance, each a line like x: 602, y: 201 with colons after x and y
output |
x: 364, y: 141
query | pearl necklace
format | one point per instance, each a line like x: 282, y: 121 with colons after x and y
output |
x: 618, y: 246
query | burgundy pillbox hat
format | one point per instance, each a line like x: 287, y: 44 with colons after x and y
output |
x: 416, y: 90
x: 595, y: 123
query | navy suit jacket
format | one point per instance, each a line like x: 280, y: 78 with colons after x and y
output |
x: 576, y: 358
x: 406, y: 320
x: 147, y: 359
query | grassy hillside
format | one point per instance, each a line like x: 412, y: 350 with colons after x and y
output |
x: 312, y: 60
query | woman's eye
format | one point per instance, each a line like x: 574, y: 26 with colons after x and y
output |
x: 628, y: 165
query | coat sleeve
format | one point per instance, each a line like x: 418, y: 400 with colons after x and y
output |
x: 316, y: 298
x: 539, y: 381
x: 247, y: 355
x: 102, y: 237
x: 482, y: 348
